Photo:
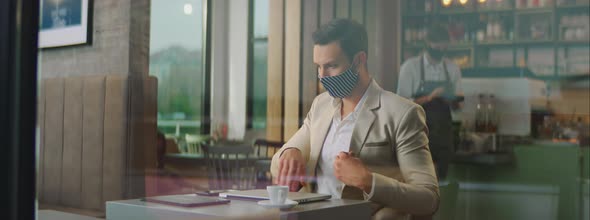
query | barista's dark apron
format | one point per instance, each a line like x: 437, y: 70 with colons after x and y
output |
x: 438, y: 119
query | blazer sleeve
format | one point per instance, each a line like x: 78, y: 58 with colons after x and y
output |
x: 419, y: 194
x: 300, y: 140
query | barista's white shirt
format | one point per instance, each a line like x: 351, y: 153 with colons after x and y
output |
x: 337, y: 140
x: 409, y: 76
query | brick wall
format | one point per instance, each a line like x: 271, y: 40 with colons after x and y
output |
x: 120, y: 43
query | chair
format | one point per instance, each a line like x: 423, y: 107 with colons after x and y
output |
x: 265, y: 150
x: 230, y: 166
x: 193, y: 143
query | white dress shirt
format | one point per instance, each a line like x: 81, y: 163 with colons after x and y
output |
x: 337, y: 140
x: 409, y: 77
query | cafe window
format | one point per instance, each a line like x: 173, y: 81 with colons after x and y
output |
x: 177, y: 59
x: 258, y: 58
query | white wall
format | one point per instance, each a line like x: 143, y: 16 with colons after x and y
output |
x: 229, y: 65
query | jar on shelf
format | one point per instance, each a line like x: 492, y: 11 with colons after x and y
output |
x: 497, y: 30
x: 481, y: 35
x: 490, y: 30
x: 480, y: 115
x: 427, y: 6
x: 491, y: 115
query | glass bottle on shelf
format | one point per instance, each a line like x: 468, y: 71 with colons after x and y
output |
x: 508, y: 31
x: 522, y: 3
x: 490, y: 28
x: 498, y: 28
x: 428, y: 6
x: 480, y: 114
x: 491, y: 116
x: 481, y: 28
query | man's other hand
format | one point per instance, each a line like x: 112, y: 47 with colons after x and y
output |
x: 352, y: 172
x: 291, y: 169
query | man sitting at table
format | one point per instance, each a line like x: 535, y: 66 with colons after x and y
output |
x: 359, y: 141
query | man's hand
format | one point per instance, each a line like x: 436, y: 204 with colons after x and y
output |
x: 436, y: 92
x: 352, y: 172
x: 291, y: 169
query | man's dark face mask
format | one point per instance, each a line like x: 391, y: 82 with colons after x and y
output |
x: 436, y: 54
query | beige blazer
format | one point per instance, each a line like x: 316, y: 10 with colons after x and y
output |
x: 390, y: 137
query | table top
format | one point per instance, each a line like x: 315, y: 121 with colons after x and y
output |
x: 240, y: 209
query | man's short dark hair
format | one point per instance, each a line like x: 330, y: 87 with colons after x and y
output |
x: 351, y: 36
x: 437, y: 33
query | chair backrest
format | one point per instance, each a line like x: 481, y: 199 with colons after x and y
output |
x: 266, y: 149
x: 193, y: 143
x: 230, y: 166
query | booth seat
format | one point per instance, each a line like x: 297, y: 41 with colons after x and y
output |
x: 97, y: 141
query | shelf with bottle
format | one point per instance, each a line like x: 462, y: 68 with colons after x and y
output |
x: 581, y: 7
x: 418, y: 45
x: 495, y: 5
x: 494, y: 57
x: 495, y: 43
x: 533, y: 4
x: 544, y: 10
x: 495, y: 10
x: 574, y: 27
x: 417, y: 14
x: 461, y: 45
x: 572, y: 4
x: 520, y: 29
x: 495, y: 29
x: 573, y: 60
x: 532, y: 42
x: 456, y: 7
x: 462, y: 57
x: 574, y: 42
x: 414, y: 35
x: 534, y: 28
x: 423, y: 7
x: 457, y: 12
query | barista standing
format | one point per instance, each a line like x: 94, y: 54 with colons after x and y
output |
x: 433, y: 81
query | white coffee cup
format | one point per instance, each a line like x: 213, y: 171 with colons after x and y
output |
x: 277, y: 194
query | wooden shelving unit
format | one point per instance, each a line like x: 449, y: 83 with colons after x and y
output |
x: 518, y: 39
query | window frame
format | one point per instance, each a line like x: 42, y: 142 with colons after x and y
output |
x: 252, y: 40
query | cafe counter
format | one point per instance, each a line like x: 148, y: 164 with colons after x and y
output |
x: 540, y: 180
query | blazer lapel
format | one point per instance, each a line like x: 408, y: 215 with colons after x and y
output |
x: 366, y: 118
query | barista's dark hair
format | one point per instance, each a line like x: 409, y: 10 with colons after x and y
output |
x: 351, y: 36
x: 437, y: 33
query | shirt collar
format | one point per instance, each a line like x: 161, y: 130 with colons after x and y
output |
x: 353, y: 115
x: 427, y: 62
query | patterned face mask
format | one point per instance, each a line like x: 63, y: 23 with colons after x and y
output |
x: 341, y: 85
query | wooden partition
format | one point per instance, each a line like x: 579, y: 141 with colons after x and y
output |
x: 292, y: 66
x: 276, y: 36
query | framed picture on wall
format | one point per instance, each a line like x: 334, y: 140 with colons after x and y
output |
x: 65, y: 23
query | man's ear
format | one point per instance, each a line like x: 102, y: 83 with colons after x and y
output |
x: 362, y: 57
x: 362, y: 60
